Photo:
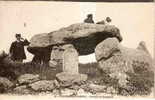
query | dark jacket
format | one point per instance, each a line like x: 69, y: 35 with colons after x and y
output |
x: 17, y: 50
x: 87, y: 20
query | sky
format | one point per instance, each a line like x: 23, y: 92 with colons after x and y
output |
x: 135, y: 20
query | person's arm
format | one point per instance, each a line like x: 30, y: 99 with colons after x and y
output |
x: 25, y: 42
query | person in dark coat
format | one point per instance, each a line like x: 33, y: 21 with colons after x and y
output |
x: 108, y: 20
x: 89, y: 19
x: 17, y: 52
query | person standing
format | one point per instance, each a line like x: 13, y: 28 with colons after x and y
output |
x: 17, y: 51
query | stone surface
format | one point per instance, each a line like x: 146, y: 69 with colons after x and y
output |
x: 68, y: 92
x: 27, y: 78
x: 82, y: 92
x: 56, y: 92
x: 97, y: 88
x: 131, y: 67
x: 67, y: 79
x: 70, y: 60
x: 5, y: 84
x: 22, y: 90
x: 56, y: 53
x: 43, y: 85
x: 83, y: 36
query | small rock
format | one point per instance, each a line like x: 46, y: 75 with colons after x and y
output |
x: 104, y: 95
x: 43, y: 85
x: 97, y: 88
x: 47, y: 93
x: 5, y: 82
x: 22, y: 90
x: 56, y: 92
x: 28, y: 78
x: 56, y: 83
x: 68, y: 92
x: 74, y: 87
x: 111, y: 90
x: 81, y: 92
x: 66, y: 79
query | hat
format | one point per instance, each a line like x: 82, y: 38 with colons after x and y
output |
x: 18, y: 35
x: 89, y: 15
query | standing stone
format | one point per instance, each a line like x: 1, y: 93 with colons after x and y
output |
x: 70, y: 74
x: 56, y: 53
x: 70, y: 60
x: 56, y: 56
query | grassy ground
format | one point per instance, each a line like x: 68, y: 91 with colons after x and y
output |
x: 49, y: 73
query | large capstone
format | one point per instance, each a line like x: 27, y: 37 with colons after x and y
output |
x: 83, y: 36
x: 130, y: 69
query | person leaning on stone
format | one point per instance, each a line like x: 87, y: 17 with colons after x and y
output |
x: 89, y: 19
x: 17, y: 52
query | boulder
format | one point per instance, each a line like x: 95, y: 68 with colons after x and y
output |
x: 5, y: 84
x: 67, y: 79
x: 27, y: 78
x: 83, y: 36
x: 131, y: 69
x: 43, y: 85
x: 22, y: 90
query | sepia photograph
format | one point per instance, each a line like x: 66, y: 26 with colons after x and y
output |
x: 76, y: 49
x: 88, y: 0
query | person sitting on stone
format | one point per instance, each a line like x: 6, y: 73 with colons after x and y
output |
x: 17, y: 52
x: 101, y: 22
x: 89, y: 19
x: 108, y: 21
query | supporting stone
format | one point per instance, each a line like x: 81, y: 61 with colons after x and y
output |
x: 70, y: 74
x: 70, y: 60
x: 56, y: 56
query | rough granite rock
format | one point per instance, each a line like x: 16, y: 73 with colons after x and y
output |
x: 83, y: 36
x: 43, y: 85
x: 97, y: 88
x: 27, y: 78
x: 68, y: 92
x: 22, y: 90
x: 5, y: 84
x: 131, y: 67
x: 67, y: 79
